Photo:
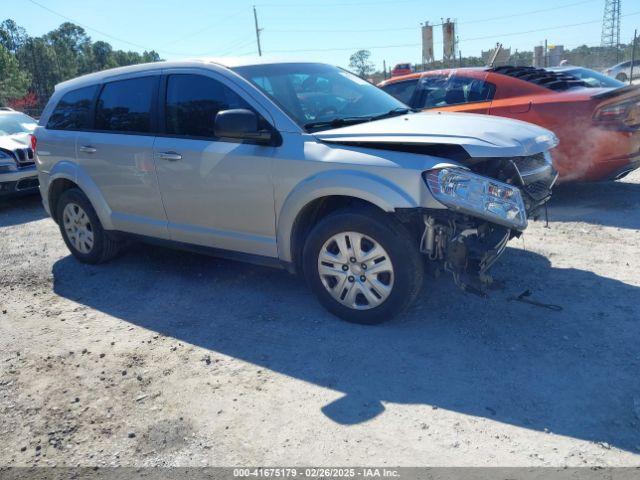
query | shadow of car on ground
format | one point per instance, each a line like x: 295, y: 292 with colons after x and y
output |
x: 573, y: 372
x: 16, y: 210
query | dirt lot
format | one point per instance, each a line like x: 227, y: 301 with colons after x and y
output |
x: 169, y: 358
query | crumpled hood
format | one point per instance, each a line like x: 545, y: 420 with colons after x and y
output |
x: 479, y: 135
x: 13, y: 142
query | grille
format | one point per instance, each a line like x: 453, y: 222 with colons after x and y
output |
x: 538, y: 190
x: 25, y: 157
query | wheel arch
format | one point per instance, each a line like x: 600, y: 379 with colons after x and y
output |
x: 66, y: 175
x: 315, y: 197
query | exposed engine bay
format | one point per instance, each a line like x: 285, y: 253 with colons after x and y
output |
x: 467, y: 246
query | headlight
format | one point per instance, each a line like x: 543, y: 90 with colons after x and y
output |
x: 479, y: 196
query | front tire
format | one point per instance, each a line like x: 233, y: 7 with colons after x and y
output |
x: 363, y: 265
x: 81, y: 229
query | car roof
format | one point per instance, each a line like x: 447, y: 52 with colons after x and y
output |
x: 226, y: 62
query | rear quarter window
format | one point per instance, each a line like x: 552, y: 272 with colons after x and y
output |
x: 73, y: 111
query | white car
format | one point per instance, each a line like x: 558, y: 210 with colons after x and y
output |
x: 18, y: 174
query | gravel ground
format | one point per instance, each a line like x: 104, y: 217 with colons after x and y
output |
x: 169, y: 358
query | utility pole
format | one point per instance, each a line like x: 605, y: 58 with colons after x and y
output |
x: 546, y: 55
x: 384, y: 69
x: 633, y: 55
x: 258, y: 30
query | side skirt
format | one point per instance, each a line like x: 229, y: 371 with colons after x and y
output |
x: 261, y: 260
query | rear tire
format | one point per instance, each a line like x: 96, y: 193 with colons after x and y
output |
x: 622, y: 77
x: 81, y: 229
x: 385, y: 277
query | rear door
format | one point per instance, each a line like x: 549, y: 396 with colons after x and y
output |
x: 216, y: 193
x: 454, y: 92
x: 118, y: 154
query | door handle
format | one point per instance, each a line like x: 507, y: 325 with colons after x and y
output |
x: 171, y: 156
x: 88, y: 149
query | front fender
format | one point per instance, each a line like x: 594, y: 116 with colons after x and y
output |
x: 73, y: 172
x: 348, y: 183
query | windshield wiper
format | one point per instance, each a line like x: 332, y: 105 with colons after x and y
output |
x: 394, y: 113
x: 338, y: 122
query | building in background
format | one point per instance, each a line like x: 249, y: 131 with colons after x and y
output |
x: 427, y: 44
x: 449, y: 42
x: 555, y: 55
x: 538, y: 56
x: 502, y: 58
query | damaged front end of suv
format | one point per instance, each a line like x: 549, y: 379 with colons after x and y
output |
x: 488, y: 204
x: 492, y: 176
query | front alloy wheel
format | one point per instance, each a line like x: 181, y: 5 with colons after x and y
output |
x: 363, y: 264
x: 356, y: 270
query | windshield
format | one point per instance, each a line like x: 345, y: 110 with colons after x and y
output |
x: 14, y: 123
x: 315, y: 95
x: 594, y: 79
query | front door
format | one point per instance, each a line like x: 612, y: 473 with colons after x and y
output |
x: 215, y: 193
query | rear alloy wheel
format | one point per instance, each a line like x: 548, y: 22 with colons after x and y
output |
x: 363, y: 265
x: 77, y: 225
x: 81, y: 229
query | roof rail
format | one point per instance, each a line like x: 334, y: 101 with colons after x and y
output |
x: 545, y: 78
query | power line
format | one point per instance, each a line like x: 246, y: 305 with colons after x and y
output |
x: 338, y: 4
x: 209, y: 27
x: 112, y: 37
x: 502, y: 17
x: 492, y: 36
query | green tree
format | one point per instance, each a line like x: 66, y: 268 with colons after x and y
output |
x: 13, y: 81
x: 12, y: 36
x: 360, y: 64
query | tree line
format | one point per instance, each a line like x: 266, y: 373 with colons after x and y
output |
x: 30, y: 67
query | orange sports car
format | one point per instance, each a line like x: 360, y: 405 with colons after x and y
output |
x: 598, y: 128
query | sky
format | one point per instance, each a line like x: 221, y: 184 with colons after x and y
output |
x: 323, y: 30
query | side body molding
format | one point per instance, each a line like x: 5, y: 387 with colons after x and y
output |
x: 348, y: 183
x: 72, y: 171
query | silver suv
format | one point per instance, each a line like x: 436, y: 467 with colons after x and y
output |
x: 298, y: 165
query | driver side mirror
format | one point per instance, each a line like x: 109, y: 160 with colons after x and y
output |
x: 241, y: 124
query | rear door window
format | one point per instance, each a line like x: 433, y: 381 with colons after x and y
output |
x: 444, y: 90
x: 192, y: 103
x: 72, y: 111
x: 403, y: 91
x: 125, y: 105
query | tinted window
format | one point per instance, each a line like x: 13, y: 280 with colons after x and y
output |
x: 125, y: 106
x: 72, y: 112
x: 193, y: 102
x: 443, y: 90
x: 403, y: 91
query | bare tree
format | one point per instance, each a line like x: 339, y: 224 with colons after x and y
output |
x: 360, y: 64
